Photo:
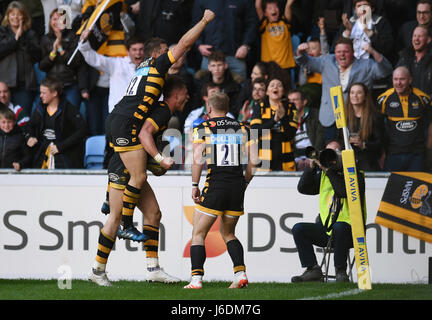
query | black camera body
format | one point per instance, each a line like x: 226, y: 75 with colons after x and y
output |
x: 329, y: 158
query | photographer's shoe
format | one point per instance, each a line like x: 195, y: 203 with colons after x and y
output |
x: 341, y: 276
x: 312, y: 274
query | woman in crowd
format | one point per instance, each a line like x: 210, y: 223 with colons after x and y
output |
x: 19, y: 51
x: 57, y: 48
x: 276, y: 120
x: 366, y: 127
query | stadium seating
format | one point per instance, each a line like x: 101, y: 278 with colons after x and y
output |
x: 94, y: 152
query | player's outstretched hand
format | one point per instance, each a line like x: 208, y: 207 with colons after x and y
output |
x: 208, y: 15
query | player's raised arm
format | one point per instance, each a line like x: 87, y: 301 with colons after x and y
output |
x: 189, y: 38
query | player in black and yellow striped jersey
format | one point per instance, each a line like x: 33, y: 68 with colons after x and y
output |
x: 175, y: 97
x: 225, y: 143
x: 125, y: 121
x: 276, y: 120
x: 408, y: 113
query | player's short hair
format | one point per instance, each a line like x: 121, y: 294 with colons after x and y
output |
x: 152, y: 45
x: 219, y: 101
x: 7, y: 113
x: 52, y: 85
x: 172, y: 83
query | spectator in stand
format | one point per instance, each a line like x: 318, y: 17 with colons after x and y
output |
x: 258, y: 94
x: 418, y: 59
x: 310, y: 132
x: 366, y: 128
x: 57, y: 47
x: 342, y: 68
x: 365, y: 27
x: 14, y: 152
x: 19, y: 51
x: 233, y: 31
x: 259, y: 70
x: 119, y: 69
x: 219, y: 73
x: 423, y: 18
x: 56, y: 128
x: 276, y: 120
x: 316, y: 48
x: 276, y: 44
x: 408, y: 113
x: 5, y: 97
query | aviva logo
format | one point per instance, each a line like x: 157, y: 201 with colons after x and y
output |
x: 214, y: 244
x: 335, y: 99
x: 351, y: 170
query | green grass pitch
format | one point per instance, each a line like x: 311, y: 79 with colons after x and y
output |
x: 134, y: 290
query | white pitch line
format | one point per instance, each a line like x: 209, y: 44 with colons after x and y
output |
x: 335, y: 295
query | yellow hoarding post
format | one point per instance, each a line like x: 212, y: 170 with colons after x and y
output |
x: 353, y: 193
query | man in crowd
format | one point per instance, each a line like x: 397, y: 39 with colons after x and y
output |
x: 409, y: 124
x: 341, y: 68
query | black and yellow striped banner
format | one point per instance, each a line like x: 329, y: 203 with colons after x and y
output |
x: 406, y: 205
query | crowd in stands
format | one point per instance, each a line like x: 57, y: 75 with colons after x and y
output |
x: 275, y: 59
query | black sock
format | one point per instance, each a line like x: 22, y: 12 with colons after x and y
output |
x: 198, y: 257
x: 235, y: 250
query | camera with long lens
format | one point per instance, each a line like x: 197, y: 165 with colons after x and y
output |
x: 329, y: 158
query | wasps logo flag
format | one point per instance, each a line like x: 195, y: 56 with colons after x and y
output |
x: 406, y: 205
x: 107, y: 36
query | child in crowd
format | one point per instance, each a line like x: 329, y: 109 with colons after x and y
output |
x: 275, y: 32
x: 13, y: 150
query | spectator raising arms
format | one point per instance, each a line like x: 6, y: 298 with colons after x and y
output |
x: 342, y: 68
x: 19, y: 50
x: 366, y: 27
x: 276, y: 42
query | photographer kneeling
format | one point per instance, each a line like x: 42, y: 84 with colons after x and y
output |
x: 325, y: 177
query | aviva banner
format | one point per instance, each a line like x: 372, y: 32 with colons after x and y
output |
x: 406, y: 205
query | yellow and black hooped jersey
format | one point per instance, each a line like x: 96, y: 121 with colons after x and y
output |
x: 407, y: 120
x: 145, y: 87
x: 275, y: 138
x: 226, y: 141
